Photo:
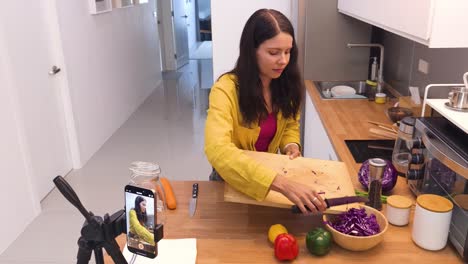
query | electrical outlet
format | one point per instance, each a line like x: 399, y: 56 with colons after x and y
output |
x: 423, y: 66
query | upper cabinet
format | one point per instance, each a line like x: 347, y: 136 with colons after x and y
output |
x: 435, y: 23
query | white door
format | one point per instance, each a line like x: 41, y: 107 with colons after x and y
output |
x: 179, y: 20
x: 32, y: 36
x: 160, y: 31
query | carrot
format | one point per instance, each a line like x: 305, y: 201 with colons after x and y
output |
x: 160, y: 193
x: 170, y: 197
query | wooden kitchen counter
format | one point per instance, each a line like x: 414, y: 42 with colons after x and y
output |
x: 347, y: 119
x: 237, y: 233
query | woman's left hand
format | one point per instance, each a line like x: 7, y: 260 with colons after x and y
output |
x: 292, y: 150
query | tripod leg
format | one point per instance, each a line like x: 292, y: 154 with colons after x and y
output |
x: 98, y: 255
x: 84, y: 251
x: 113, y: 250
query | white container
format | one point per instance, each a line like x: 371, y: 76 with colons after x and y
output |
x: 431, y: 221
x: 398, y: 210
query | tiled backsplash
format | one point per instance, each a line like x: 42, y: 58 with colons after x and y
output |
x: 401, y: 64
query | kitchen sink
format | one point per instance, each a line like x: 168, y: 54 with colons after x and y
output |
x: 324, y: 88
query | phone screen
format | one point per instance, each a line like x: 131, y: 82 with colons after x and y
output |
x: 140, y: 217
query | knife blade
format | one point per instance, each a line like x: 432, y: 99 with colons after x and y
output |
x: 336, y: 201
x: 193, y: 200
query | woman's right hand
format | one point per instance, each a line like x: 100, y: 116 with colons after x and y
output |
x: 299, y: 194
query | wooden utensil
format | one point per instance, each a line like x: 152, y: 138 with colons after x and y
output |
x: 330, y: 177
x: 391, y: 128
x: 387, y: 128
x: 382, y: 133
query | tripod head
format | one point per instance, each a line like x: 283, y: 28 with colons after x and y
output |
x: 97, y: 232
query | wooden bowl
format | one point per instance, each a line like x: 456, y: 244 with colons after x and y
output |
x: 398, y: 113
x: 355, y: 243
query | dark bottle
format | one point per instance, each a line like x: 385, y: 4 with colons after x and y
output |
x: 376, y: 169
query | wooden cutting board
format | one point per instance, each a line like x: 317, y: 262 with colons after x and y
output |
x: 330, y: 177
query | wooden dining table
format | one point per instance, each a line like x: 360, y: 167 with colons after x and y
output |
x: 238, y: 233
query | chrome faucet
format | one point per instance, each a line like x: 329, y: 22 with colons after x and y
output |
x: 380, y: 81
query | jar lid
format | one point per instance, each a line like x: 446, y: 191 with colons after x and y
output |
x: 380, y: 95
x: 434, y: 203
x: 145, y: 168
x: 399, y: 201
x: 407, y: 125
x: 377, y: 162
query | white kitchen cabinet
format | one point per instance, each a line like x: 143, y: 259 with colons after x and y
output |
x: 435, y: 23
x: 317, y: 145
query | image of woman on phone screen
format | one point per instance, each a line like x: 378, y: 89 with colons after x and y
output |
x: 138, y: 222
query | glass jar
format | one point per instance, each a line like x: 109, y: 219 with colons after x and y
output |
x: 371, y: 90
x: 376, y: 169
x: 380, y: 98
x: 146, y: 175
x: 402, y: 150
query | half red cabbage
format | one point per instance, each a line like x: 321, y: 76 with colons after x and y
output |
x: 389, y: 178
x: 356, y: 222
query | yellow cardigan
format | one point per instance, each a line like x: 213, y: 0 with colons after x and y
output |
x: 141, y: 231
x: 225, y: 138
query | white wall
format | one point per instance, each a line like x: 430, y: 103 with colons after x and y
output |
x: 112, y: 64
x: 228, y: 20
x: 19, y: 206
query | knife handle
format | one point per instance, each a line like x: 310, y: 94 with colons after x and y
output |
x: 295, y: 209
x: 195, y: 190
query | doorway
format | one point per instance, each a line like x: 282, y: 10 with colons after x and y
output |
x: 185, y: 34
x: 202, y: 16
x: 203, y: 9
x: 202, y: 50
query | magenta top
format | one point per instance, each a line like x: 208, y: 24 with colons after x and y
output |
x: 267, y: 133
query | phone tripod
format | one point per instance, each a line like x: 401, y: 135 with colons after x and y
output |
x: 96, y: 233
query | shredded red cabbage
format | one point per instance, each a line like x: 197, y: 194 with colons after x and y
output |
x: 356, y: 222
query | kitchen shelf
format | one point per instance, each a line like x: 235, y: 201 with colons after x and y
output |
x: 460, y: 119
x: 100, y: 6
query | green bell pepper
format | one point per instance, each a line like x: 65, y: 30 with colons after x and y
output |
x: 318, y: 241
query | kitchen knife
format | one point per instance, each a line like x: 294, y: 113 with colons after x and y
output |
x: 193, y: 200
x: 336, y: 201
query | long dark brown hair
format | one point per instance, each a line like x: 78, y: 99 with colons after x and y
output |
x: 142, y: 218
x: 287, y: 90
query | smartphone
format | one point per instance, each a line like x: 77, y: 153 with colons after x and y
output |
x: 140, y: 217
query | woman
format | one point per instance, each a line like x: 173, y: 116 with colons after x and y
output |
x: 138, y: 220
x: 256, y: 107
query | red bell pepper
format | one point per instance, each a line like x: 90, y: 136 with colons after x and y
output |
x: 286, y: 247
